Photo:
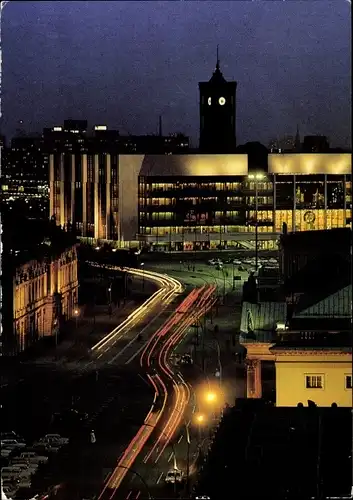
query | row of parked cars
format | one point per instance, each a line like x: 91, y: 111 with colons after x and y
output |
x: 23, y: 461
x: 251, y: 261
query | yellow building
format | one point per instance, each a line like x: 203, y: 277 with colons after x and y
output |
x: 44, y: 293
x: 322, y: 375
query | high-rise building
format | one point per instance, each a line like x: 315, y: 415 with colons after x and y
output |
x: 96, y: 192
x: 24, y: 175
x: 217, y: 114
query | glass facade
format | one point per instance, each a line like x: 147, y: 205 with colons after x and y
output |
x: 206, y: 210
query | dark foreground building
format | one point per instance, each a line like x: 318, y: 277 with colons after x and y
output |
x: 264, y: 452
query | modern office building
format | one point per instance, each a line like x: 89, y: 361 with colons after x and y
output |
x: 97, y: 193
x: 206, y: 201
x: 199, y: 201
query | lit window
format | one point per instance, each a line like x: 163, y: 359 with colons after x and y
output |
x: 314, y: 381
x: 348, y: 384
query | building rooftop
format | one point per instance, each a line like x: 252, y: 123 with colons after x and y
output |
x: 261, y: 317
x: 336, y: 305
x: 310, y: 163
x: 264, y: 452
x: 194, y: 165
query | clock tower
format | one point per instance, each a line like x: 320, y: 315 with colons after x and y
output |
x: 217, y: 114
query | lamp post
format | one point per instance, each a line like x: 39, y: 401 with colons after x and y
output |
x: 142, y: 264
x: 200, y: 420
x: 76, y: 313
x: 256, y: 177
x: 110, y: 299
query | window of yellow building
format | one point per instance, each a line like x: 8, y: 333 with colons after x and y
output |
x: 314, y: 381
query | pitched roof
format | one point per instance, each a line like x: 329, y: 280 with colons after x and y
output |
x: 262, y: 316
x: 337, y: 305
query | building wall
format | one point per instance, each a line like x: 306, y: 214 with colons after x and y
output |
x: 34, y: 287
x: 97, y: 192
x: 223, y: 208
x: 291, y: 386
x: 166, y: 198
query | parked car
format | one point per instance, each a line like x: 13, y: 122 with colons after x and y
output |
x: 24, y: 482
x: 6, y: 452
x: 14, y: 472
x: 10, y: 489
x: 10, y: 435
x: 44, y: 447
x: 24, y: 464
x: 55, y: 438
x: 31, y: 456
x: 8, y: 443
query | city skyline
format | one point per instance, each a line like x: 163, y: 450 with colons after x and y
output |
x: 301, y: 77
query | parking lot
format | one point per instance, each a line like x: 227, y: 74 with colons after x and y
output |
x: 103, y: 406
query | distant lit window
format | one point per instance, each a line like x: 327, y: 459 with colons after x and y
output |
x: 314, y: 381
x: 348, y: 384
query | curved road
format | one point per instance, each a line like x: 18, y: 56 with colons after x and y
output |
x: 172, y: 397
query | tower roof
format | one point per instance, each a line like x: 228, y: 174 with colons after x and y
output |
x: 217, y: 77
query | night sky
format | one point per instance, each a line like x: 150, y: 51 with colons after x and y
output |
x: 125, y: 63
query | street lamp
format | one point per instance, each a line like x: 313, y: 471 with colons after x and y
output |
x: 200, y: 420
x: 142, y: 264
x: 211, y: 397
x: 76, y: 314
x: 257, y: 177
x: 110, y: 299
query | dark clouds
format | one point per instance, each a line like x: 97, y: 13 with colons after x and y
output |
x: 124, y: 63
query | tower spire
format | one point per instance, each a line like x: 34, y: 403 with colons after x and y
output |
x: 217, y: 65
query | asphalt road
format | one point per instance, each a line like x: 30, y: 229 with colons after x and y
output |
x: 152, y: 459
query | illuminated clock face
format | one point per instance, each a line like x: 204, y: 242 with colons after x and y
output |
x: 222, y: 101
x: 209, y: 100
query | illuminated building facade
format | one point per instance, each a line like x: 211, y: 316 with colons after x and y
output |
x: 318, y: 373
x: 44, y: 293
x: 198, y: 201
x: 205, y: 201
x: 24, y: 175
x: 96, y: 193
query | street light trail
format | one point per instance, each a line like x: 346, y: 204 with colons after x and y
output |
x: 176, y: 326
x: 169, y: 287
x: 182, y: 392
x: 152, y: 419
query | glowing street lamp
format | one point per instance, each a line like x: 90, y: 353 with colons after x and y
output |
x: 211, y: 397
x: 200, y: 419
x: 76, y: 314
x: 142, y: 264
